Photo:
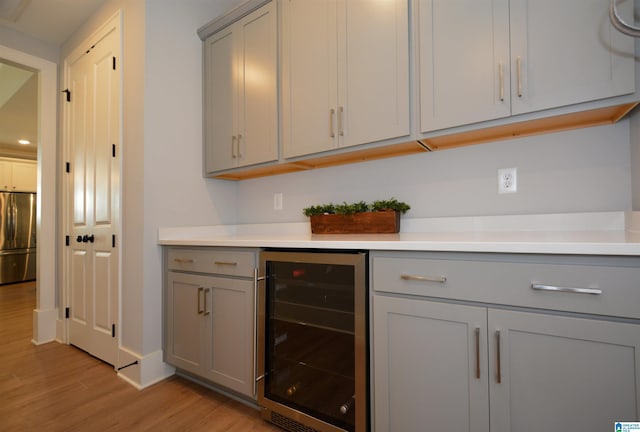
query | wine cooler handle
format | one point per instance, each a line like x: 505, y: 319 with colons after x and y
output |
x: 256, y: 281
x: 345, y: 407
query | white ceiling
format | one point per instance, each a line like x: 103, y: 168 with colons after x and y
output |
x: 53, y: 22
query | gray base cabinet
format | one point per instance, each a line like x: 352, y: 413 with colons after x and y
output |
x: 209, y: 318
x: 424, y: 361
x: 449, y: 364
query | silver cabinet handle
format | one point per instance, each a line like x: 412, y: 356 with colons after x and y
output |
x: 440, y: 279
x: 477, y: 337
x: 501, y: 79
x: 519, y: 75
x: 238, y: 146
x: 540, y: 287
x: 331, y: 114
x: 226, y: 263
x: 233, y: 147
x: 340, y: 121
x: 184, y: 260
x: 200, y: 311
x: 206, y: 292
x: 498, y: 366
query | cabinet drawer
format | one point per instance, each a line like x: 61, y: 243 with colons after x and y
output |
x: 213, y: 261
x: 594, y: 285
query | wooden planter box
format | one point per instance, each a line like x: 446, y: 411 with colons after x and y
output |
x: 381, y: 222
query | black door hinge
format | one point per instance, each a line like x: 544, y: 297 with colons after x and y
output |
x: 66, y: 240
x: 113, y: 330
x: 66, y: 312
x: 113, y: 150
x: 113, y: 240
x: 114, y: 63
x: 67, y: 167
x: 68, y: 92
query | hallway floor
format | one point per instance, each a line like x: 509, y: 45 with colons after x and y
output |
x: 56, y: 387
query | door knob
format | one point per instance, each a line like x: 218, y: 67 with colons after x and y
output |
x: 91, y: 238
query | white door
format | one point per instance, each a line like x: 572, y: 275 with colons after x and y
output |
x: 93, y: 144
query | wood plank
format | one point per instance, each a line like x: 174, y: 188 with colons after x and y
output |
x: 56, y: 387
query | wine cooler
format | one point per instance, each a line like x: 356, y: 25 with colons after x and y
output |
x: 312, y: 340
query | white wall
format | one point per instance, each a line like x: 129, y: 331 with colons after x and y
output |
x: 132, y: 298
x: 575, y: 171
x: 27, y: 44
x: 584, y: 170
x: 635, y: 160
x: 175, y: 192
x: 162, y: 147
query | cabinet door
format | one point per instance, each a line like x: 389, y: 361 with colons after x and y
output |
x: 221, y: 84
x: 565, y: 52
x: 258, y: 104
x: 5, y: 175
x: 562, y: 373
x: 24, y: 176
x: 309, y: 77
x: 231, y: 356
x: 187, y: 328
x: 373, y: 59
x: 464, y: 62
x: 426, y: 358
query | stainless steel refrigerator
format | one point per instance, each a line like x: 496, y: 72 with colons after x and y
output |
x: 17, y: 237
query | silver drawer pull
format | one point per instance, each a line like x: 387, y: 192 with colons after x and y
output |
x: 540, y: 287
x: 225, y: 263
x: 441, y: 279
x: 183, y: 260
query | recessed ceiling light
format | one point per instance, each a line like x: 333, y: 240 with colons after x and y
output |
x: 23, y: 141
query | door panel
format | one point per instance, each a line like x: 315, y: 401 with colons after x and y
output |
x: 220, y: 99
x: 373, y: 70
x: 583, y: 374
x: 309, y: 77
x: 427, y: 357
x: 589, y: 60
x: 94, y: 138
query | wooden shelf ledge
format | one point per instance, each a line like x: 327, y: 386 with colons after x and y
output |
x: 595, y: 117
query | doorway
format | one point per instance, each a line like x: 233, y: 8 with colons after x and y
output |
x: 91, y: 192
x: 45, y: 314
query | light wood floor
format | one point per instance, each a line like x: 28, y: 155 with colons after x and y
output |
x: 55, y: 387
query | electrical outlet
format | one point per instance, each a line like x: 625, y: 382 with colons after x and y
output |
x: 507, y: 180
x: 277, y: 201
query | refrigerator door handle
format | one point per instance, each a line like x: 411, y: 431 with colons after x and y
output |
x: 13, y: 210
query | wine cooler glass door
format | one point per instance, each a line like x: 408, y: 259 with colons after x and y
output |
x: 311, y: 309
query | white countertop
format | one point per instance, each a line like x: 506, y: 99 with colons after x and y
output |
x: 610, y: 233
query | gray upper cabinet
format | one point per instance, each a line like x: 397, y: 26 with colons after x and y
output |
x: 487, y: 59
x: 345, y: 74
x: 241, y: 82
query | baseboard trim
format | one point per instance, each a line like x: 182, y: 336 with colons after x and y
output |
x: 44, y: 326
x: 142, y: 371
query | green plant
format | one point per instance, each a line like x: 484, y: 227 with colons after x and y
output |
x: 391, y: 204
x: 358, y: 207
